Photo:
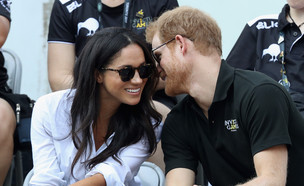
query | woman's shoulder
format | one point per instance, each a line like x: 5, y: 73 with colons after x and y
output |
x: 53, y: 99
x: 53, y: 112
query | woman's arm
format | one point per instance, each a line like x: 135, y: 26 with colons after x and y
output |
x: 158, y: 156
x: 116, y: 173
x: 95, y: 180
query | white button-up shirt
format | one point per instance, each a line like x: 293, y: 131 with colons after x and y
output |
x: 54, y: 151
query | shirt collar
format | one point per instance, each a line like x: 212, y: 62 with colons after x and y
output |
x: 282, y: 22
x: 224, y: 82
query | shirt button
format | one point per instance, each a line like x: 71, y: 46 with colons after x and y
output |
x: 295, y: 34
x: 212, y: 122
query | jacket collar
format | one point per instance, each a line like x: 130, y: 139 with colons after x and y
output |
x: 282, y: 22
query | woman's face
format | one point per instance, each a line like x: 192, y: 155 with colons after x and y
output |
x: 116, y: 91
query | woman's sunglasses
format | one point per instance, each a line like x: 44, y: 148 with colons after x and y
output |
x: 128, y: 72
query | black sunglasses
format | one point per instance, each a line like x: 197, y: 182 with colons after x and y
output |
x: 128, y: 72
x: 157, y: 57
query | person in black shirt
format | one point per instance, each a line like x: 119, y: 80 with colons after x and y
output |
x: 262, y: 41
x: 241, y: 125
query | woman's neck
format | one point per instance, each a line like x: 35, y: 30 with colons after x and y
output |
x: 112, y: 3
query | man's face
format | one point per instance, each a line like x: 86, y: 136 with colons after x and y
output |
x: 296, y: 4
x: 170, y: 68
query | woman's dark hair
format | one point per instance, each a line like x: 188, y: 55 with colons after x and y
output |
x: 131, y: 122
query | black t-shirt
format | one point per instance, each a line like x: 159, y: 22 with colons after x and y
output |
x: 250, y: 112
x: 112, y: 16
x: 74, y: 21
x: 4, y: 11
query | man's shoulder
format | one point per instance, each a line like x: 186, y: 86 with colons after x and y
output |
x: 252, y: 78
x: 263, y: 18
x: 181, y: 110
x: 71, y: 5
x: 247, y: 83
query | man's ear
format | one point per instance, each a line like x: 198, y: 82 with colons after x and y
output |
x: 182, y: 44
x: 98, y: 76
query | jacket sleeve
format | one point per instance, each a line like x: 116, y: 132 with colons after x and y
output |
x: 244, y: 55
x: 131, y: 158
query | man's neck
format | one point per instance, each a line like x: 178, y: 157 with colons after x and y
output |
x: 297, y: 16
x: 112, y: 3
x: 203, y: 81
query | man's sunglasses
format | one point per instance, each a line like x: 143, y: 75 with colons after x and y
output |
x: 128, y: 72
x: 157, y: 57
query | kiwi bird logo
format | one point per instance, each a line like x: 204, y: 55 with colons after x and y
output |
x: 91, y: 25
x: 273, y: 50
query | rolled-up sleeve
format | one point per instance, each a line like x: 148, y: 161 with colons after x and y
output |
x: 131, y: 157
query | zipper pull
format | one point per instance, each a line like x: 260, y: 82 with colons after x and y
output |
x: 18, y: 110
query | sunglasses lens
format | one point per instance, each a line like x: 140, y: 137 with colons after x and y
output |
x: 126, y: 73
x: 145, y: 71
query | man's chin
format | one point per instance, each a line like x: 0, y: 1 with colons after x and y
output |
x: 169, y: 91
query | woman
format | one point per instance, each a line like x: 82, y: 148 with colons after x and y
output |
x: 72, y: 22
x: 100, y: 131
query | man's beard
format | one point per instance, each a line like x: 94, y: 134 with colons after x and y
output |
x: 176, y: 81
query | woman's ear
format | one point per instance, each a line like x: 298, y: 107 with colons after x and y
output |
x: 98, y: 76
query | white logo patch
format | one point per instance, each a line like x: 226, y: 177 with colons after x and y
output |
x: 273, y: 50
x: 64, y: 1
x: 90, y: 24
x: 73, y: 6
x: 263, y: 25
x: 232, y: 125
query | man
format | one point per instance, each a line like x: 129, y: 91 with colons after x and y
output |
x: 241, y: 125
x: 261, y: 45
